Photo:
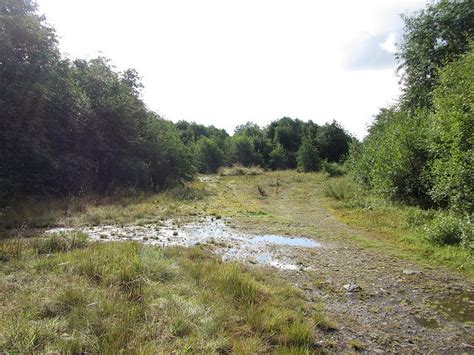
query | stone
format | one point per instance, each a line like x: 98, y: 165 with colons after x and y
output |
x: 351, y: 287
x: 411, y: 272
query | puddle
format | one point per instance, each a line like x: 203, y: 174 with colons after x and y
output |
x: 457, y: 307
x: 292, y: 242
x: 229, y: 243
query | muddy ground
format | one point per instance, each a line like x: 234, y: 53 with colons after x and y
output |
x: 379, y: 303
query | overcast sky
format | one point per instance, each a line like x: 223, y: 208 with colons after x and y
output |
x: 228, y: 62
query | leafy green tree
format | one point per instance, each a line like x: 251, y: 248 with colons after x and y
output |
x: 262, y: 146
x: 432, y: 37
x: 279, y: 158
x: 243, y: 151
x: 308, y: 157
x: 451, y: 135
x: 332, y: 142
x: 392, y: 160
x: 209, y: 156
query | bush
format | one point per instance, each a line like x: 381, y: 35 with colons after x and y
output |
x: 332, y: 169
x: 243, y: 151
x: 307, y: 157
x: 279, y: 158
x: 209, y: 156
x: 450, y: 229
x: 392, y: 160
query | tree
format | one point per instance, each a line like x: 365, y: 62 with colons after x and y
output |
x: 308, y: 157
x: 393, y: 158
x: 243, y: 151
x: 209, y: 156
x: 332, y: 142
x: 432, y: 38
x: 451, y: 135
x: 278, y: 158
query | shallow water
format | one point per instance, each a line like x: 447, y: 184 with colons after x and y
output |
x: 458, y: 306
x: 231, y: 244
x: 280, y: 240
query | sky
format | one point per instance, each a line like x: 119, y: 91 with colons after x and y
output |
x: 224, y: 63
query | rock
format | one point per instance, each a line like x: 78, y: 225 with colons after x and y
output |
x: 351, y: 287
x: 175, y: 233
x: 411, y: 272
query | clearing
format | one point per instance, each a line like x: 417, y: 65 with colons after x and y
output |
x: 369, y: 292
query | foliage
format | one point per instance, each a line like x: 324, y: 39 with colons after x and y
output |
x: 243, y: 151
x: 308, y: 157
x: 433, y: 37
x: 392, y: 159
x: 209, y: 156
x: 332, y: 169
x: 451, y: 135
x: 450, y: 229
x: 75, y: 127
x: 278, y: 158
x: 333, y: 142
x: 425, y: 156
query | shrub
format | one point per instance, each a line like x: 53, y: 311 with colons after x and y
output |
x: 332, y: 169
x: 307, y: 157
x: 209, y: 155
x: 279, y: 158
x: 450, y: 229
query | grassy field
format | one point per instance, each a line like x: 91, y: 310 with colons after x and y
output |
x: 65, y: 294
x: 252, y: 201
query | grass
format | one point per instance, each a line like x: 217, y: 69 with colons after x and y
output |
x: 68, y: 295
x: 122, y: 208
x: 398, y: 228
x: 288, y: 206
x: 239, y: 170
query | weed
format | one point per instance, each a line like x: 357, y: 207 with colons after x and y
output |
x: 261, y: 191
x: 356, y: 344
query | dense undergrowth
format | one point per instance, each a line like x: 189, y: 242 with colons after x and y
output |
x: 63, y: 293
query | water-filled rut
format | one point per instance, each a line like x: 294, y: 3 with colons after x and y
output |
x: 229, y: 243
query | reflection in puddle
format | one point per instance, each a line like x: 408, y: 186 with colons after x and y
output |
x: 229, y: 243
x: 292, y: 242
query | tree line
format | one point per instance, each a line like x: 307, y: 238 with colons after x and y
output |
x: 420, y: 150
x: 79, y: 126
x: 284, y: 144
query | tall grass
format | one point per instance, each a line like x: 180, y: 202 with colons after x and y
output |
x: 240, y: 170
x: 126, y: 297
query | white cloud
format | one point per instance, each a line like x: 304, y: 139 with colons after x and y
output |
x: 227, y: 62
x: 389, y: 45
